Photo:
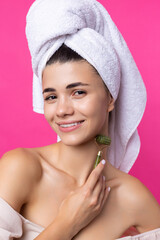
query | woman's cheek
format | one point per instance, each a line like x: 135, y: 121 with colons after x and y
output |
x: 87, y: 106
x: 48, y: 112
x: 93, y: 107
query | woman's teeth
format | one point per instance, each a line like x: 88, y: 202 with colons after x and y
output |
x: 70, y: 125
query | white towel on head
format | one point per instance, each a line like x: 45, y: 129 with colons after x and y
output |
x: 86, y: 27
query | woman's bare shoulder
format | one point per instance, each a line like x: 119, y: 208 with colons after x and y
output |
x: 138, y: 203
x: 20, y: 170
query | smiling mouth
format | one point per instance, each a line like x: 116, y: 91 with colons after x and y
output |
x: 70, y: 124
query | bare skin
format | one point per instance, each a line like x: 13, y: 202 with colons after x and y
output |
x: 51, y: 182
x: 46, y: 187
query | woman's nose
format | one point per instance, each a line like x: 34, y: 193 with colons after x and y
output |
x: 64, y: 107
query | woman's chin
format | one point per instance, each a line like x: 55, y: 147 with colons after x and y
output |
x: 71, y: 142
x: 76, y: 141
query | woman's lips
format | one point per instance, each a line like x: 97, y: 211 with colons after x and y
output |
x: 70, y: 126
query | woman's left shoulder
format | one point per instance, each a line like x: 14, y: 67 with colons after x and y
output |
x: 139, y: 203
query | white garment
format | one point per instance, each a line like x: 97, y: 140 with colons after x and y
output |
x: 86, y: 27
x: 14, y: 225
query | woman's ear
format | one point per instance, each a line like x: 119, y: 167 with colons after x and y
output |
x: 111, y: 103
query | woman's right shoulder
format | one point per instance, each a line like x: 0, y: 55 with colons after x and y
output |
x: 20, y: 171
x: 22, y: 160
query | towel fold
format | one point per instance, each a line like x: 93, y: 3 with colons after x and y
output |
x: 14, y: 226
x: 10, y: 222
x: 86, y: 27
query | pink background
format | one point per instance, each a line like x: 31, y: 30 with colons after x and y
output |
x: 139, y: 22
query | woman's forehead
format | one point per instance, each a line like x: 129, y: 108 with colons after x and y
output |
x: 77, y: 71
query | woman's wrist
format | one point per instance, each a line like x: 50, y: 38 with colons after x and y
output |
x: 66, y: 227
x: 57, y: 230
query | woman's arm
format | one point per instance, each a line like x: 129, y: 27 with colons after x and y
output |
x: 20, y: 172
x: 57, y: 230
x: 147, y: 214
x: 140, y: 206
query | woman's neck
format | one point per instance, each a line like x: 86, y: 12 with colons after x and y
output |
x: 78, y: 161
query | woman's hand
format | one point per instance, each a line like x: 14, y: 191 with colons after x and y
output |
x: 85, y: 203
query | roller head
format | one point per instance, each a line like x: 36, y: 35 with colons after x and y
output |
x: 101, y: 139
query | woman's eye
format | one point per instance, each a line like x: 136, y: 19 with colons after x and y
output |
x: 50, y: 98
x: 79, y: 92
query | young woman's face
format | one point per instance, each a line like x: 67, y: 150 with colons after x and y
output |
x: 75, y: 101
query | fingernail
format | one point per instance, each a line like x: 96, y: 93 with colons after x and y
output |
x: 104, y: 178
x: 109, y: 189
x: 103, y: 161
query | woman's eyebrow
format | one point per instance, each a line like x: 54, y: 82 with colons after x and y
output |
x: 72, y: 85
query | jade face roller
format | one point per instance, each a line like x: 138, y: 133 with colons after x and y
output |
x: 101, y: 140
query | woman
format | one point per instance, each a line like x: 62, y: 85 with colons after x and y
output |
x: 61, y: 188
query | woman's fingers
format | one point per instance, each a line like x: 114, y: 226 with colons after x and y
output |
x: 105, y: 195
x: 94, y: 176
x: 102, y: 192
